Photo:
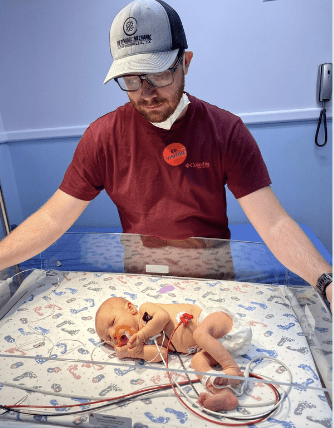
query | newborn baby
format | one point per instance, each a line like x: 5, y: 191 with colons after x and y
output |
x: 212, y: 333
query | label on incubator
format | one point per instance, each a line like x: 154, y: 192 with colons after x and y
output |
x: 105, y: 421
x: 157, y: 269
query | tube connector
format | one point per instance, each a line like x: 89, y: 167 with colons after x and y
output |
x: 185, y: 318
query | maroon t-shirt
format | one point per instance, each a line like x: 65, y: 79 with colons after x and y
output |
x: 174, y: 193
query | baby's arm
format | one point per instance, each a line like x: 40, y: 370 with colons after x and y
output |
x: 147, y: 352
x: 160, y: 318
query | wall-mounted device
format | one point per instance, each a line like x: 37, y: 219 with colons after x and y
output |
x: 324, y: 83
x: 324, y: 94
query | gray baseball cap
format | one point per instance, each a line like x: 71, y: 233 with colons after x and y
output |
x: 145, y: 37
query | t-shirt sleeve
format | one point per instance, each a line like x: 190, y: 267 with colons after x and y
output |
x: 82, y: 179
x: 246, y: 170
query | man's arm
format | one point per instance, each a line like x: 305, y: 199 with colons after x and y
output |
x: 41, y: 229
x: 284, y: 237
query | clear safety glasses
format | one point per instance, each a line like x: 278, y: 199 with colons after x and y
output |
x: 131, y: 83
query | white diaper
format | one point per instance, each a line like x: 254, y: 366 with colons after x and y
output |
x: 238, y: 339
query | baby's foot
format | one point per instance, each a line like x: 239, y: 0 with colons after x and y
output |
x: 222, y: 400
x: 225, y: 381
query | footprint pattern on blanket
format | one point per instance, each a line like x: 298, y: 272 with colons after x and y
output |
x: 309, y: 369
x: 156, y: 419
x: 302, y: 406
x: 181, y: 416
x: 327, y: 423
x: 284, y: 424
x: 302, y: 350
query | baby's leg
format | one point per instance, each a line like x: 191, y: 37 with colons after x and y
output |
x: 206, y: 335
x: 220, y: 399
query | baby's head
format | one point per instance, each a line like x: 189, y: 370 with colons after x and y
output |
x: 116, y: 320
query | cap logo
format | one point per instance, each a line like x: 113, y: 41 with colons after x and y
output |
x: 130, y: 26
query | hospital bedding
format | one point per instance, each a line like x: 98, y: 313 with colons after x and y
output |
x: 48, y: 343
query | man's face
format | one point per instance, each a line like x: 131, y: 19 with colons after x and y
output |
x: 157, y: 104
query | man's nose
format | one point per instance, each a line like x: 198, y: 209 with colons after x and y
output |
x: 148, y: 91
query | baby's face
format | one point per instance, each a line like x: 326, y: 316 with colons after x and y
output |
x: 115, y: 324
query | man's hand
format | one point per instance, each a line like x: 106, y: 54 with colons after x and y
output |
x: 41, y: 229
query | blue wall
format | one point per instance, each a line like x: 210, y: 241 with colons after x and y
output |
x: 250, y: 57
x: 264, y: 69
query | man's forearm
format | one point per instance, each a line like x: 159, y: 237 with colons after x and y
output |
x: 284, y: 237
x: 33, y: 236
x: 41, y: 229
x: 294, y: 250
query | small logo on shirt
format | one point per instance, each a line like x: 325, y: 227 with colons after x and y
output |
x: 175, y: 154
x: 130, y: 26
x: 198, y: 165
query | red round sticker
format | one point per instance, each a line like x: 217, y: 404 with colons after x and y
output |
x: 175, y: 154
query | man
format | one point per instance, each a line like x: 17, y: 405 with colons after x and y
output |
x: 165, y: 157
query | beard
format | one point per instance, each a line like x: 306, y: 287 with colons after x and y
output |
x: 165, y: 111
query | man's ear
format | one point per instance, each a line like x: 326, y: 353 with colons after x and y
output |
x: 131, y: 307
x: 188, y: 56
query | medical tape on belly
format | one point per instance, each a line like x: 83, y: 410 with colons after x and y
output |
x: 181, y: 371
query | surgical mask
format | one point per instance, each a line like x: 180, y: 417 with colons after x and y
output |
x: 168, y: 123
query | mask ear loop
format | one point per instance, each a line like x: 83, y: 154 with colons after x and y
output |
x: 184, y: 63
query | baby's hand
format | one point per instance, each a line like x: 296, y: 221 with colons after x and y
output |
x: 122, y: 352
x: 135, y: 341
